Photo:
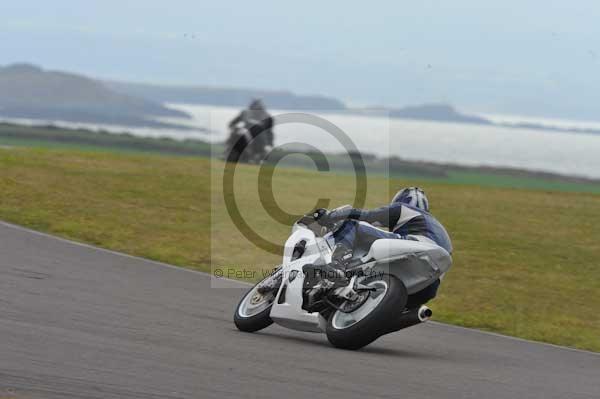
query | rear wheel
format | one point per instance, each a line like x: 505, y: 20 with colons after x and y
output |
x: 372, y: 319
x: 253, y: 311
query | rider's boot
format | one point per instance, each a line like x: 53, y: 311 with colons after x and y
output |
x: 320, y: 276
x: 321, y: 279
x: 341, y: 256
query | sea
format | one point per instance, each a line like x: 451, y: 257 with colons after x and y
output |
x: 567, y: 153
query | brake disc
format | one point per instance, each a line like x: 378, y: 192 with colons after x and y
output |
x: 350, y: 306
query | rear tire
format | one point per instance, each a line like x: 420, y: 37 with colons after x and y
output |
x: 376, y: 323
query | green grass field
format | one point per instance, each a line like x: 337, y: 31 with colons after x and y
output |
x: 56, y: 137
x: 527, y: 262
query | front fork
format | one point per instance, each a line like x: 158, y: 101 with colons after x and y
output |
x: 271, y: 283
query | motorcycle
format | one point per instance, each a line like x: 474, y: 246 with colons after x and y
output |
x: 353, y: 307
x: 242, y: 146
x: 236, y: 146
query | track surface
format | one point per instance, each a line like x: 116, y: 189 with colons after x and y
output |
x: 79, y: 322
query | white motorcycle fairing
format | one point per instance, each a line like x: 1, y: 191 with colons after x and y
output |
x: 417, y: 264
x: 287, y: 307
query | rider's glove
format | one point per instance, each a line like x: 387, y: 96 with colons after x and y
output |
x: 320, y: 214
x: 325, y: 217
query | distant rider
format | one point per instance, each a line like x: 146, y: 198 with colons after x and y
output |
x: 407, y: 218
x: 260, y: 124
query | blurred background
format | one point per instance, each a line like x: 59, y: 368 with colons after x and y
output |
x: 495, y: 78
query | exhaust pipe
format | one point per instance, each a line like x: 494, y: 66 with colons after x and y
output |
x: 424, y: 313
x: 411, y: 317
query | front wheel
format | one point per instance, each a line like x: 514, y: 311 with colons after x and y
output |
x: 253, y: 311
x: 360, y: 327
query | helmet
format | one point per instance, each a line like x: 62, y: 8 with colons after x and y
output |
x: 413, y: 196
x: 256, y: 104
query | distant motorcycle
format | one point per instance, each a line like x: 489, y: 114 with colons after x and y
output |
x: 353, y: 308
x: 236, y: 146
x: 242, y: 146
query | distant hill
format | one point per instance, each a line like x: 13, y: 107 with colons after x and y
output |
x: 27, y: 91
x: 279, y: 99
x: 225, y: 96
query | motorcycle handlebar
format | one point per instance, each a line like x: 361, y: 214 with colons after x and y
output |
x: 311, y: 221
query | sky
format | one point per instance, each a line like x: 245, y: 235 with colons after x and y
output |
x: 536, y: 58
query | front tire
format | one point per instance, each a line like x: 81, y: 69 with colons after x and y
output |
x: 253, y: 312
x: 371, y: 320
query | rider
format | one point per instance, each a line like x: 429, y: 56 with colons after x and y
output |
x: 260, y: 124
x: 407, y: 218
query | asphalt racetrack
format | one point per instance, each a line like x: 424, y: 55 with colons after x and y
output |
x: 81, y: 322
